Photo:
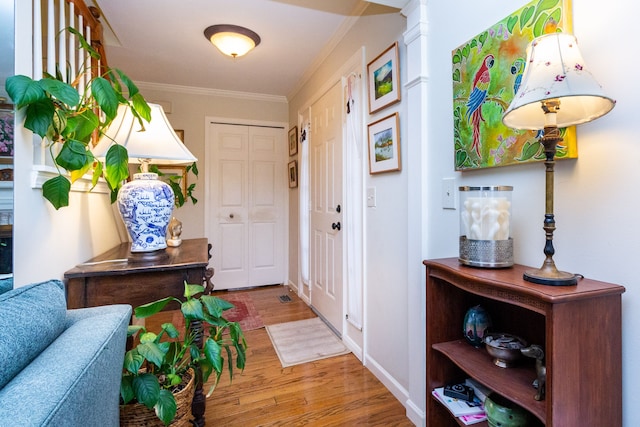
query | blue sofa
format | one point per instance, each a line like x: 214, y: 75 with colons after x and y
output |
x: 59, y: 367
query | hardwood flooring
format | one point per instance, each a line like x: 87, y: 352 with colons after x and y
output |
x: 337, y: 391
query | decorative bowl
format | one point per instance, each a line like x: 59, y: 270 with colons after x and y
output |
x: 504, y: 413
x: 505, y: 348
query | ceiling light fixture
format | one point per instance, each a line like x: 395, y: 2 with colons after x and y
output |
x: 232, y: 40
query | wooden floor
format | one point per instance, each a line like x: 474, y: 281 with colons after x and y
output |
x: 337, y: 391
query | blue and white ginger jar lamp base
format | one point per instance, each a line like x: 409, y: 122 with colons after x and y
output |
x: 145, y: 205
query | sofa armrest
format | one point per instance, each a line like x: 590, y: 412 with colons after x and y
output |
x: 76, y: 380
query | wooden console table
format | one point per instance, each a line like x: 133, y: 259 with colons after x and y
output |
x: 110, y: 278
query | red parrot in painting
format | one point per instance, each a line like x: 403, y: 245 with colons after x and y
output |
x: 477, y: 97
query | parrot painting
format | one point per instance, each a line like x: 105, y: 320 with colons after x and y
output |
x: 517, y: 68
x: 477, y: 97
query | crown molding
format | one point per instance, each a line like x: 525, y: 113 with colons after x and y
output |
x: 211, y: 92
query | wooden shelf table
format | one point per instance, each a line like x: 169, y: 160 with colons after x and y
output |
x: 579, y: 327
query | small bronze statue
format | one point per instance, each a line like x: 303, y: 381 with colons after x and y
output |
x: 536, y: 352
x: 175, y: 230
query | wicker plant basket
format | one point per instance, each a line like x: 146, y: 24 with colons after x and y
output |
x: 138, y: 415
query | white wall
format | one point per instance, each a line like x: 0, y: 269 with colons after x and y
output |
x: 595, y: 205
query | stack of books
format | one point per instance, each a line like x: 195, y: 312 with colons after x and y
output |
x: 467, y: 412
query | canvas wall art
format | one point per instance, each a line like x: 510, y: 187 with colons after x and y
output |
x: 486, y: 74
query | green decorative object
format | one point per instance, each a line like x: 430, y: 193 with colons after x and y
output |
x: 475, y: 325
x: 504, y: 413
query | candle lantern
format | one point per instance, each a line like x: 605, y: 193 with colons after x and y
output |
x: 485, y: 226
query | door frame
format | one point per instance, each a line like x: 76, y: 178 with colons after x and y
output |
x: 209, y: 175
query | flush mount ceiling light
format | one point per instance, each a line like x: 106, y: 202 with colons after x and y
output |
x: 232, y: 40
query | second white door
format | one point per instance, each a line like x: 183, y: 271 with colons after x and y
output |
x: 247, y: 215
x: 325, y: 158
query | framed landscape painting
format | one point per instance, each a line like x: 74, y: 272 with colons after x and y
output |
x: 384, y: 145
x: 490, y: 67
x: 384, y: 79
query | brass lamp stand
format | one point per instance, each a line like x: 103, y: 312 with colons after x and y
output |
x: 555, y: 74
x: 548, y: 274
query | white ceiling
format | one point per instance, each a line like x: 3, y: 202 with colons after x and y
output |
x: 162, y: 41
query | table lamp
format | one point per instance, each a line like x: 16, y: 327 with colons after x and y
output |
x: 557, y: 90
x: 145, y: 203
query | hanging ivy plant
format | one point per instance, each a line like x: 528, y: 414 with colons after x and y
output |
x: 68, y: 117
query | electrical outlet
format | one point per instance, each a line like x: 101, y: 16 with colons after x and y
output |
x: 449, y: 199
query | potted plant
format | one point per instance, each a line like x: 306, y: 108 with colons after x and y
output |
x: 70, y: 116
x: 158, y: 363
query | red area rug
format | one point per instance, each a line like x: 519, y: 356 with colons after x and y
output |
x: 243, y: 312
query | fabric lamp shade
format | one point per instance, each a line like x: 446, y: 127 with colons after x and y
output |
x: 157, y: 143
x: 555, y: 69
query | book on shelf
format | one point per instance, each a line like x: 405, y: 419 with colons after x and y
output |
x: 472, y: 419
x: 458, y: 407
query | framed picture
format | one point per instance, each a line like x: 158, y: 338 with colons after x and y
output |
x: 293, y: 141
x: 384, y: 145
x: 174, y: 173
x: 180, y: 133
x: 6, y: 133
x: 293, y: 174
x: 384, y: 79
x: 486, y: 72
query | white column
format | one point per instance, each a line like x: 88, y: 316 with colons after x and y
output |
x: 416, y: 86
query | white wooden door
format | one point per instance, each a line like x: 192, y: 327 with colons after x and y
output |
x: 325, y: 160
x: 247, y: 214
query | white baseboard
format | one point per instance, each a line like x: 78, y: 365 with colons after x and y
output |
x: 415, y: 414
x: 353, y: 346
x: 388, y: 381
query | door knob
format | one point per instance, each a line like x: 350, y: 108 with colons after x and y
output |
x: 231, y: 216
x: 336, y: 226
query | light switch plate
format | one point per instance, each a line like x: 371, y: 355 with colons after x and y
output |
x: 371, y: 197
x: 449, y: 198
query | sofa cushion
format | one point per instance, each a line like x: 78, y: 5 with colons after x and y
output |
x: 6, y: 284
x: 31, y: 317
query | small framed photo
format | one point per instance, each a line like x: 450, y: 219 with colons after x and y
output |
x: 383, y: 75
x: 180, y: 133
x: 293, y: 174
x: 293, y: 141
x: 384, y: 145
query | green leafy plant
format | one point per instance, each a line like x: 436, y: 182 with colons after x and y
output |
x: 156, y: 365
x: 69, y: 116
x: 175, y: 182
